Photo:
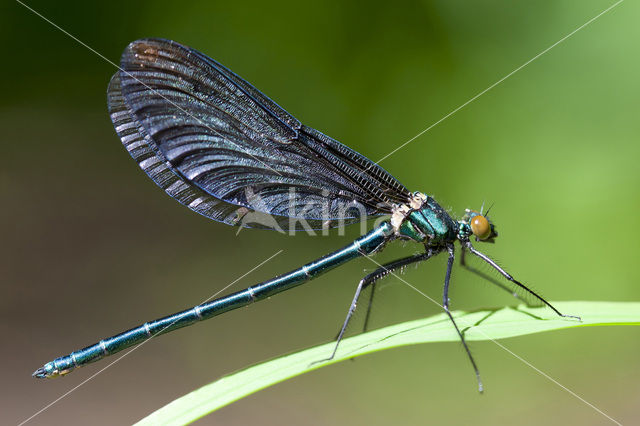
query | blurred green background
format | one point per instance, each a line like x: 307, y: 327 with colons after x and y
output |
x: 90, y: 246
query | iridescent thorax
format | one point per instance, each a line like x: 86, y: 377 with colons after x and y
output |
x: 423, y: 220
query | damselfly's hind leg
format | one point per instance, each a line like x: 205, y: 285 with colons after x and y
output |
x: 371, y: 279
x: 445, y: 305
x: 384, y: 270
x: 504, y: 273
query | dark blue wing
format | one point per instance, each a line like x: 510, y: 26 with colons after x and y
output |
x: 219, y: 146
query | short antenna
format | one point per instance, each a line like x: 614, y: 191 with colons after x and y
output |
x: 490, y: 207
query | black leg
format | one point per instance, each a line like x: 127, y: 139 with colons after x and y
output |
x: 445, y: 305
x: 516, y: 282
x: 488, y: 278
x: 365, y: 327
x: 371, y: 279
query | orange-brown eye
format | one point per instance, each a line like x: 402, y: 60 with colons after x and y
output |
x: 480, y: 227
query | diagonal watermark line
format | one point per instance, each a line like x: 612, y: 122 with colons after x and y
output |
x: 145, y: 85
x: 70, y: 391
x: 500, y: 81
x: 500, y: 345
x: 552, y: 379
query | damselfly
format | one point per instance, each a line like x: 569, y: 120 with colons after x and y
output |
x: 222, y: 148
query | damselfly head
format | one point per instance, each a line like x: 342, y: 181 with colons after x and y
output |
x: 481, y: 226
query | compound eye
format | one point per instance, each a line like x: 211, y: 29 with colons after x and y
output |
x: 480, y: 227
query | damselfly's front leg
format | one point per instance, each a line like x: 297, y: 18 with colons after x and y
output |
x: 504, y: 273
x: 490, y: 279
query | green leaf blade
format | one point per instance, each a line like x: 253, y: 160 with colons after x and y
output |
x: 491, y: 324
